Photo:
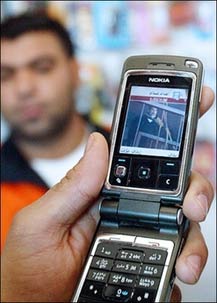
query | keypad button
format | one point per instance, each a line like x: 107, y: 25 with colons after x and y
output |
x: 106, y: 250
x: 148, y: 283
x: 168, y: 182
x: 169, y: 167
x: 122, y: 279
x: 120, y: 171
x: 101, y: 263
x: 92, y: 289
x: 126, y: 267
x: 130, y: 255
x: 144, y: 172
x: 155, y: 256
x: 142, y: 295
x: 118, y: 293
x: 97, y: 275
x: 151, y: 270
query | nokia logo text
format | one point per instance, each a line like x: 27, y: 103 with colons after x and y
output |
x: 162, y: 80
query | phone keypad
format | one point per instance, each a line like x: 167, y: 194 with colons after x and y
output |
x: 123, y: 273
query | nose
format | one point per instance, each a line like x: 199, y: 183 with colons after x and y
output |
x: 24, y: 84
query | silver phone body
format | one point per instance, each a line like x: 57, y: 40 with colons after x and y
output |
x: 139, y: 217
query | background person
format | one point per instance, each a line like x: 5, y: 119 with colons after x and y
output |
x: 39, y: 78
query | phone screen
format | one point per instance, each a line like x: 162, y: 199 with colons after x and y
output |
x: 154, y: 121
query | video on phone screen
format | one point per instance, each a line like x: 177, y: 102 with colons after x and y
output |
x: 154, y: 121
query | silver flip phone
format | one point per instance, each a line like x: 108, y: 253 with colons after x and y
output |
x: 142, y: 227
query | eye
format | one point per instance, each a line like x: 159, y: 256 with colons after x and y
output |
x: 43, y: 66
x: 6, y: 74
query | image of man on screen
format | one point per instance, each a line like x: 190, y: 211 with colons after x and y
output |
x: 154, y: 129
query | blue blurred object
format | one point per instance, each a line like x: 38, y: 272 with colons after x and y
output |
x: 111, y: 23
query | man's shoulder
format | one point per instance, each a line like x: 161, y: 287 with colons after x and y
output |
x: 8, y: 150
x: 11, y: 159
x: 14, y: 166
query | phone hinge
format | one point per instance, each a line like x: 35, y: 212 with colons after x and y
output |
x: 128, y: 212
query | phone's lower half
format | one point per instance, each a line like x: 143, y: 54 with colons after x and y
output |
x: 129, y: 264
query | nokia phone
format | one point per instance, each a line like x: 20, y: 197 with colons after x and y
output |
x: 142, y: 227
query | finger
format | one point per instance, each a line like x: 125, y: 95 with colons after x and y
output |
x: 207, y: 99
x: 198, y: 198
x: 81, y: 236
x: 193, y: 257
x: 81, y: 186
x: 176, y: 295
x: 90, y: 218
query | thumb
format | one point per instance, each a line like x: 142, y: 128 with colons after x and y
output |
x: 75, y: 193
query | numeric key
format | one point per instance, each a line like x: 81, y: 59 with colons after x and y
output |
x: 126, y: 267
x: 130, y: 255
x: 118, y: 293
x: 97, y: 275
x: 155, y: 256
x: 107, y: 250
x: 151, y: 270
x: 122, y: 279
x: 148, y: 283
x: 101, y: 263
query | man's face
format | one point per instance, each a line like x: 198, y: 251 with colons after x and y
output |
x: 37, y: 83
x: 153, y: 112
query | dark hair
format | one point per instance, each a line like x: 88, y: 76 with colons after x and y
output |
x: 15, y: 26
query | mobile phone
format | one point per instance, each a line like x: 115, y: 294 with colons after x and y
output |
x: 142, y: 227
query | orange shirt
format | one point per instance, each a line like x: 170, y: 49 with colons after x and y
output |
x: 15, y: 196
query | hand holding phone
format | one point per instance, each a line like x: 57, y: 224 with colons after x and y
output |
x: 142, y: 227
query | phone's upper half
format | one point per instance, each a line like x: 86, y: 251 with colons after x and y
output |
x: 154, y: 126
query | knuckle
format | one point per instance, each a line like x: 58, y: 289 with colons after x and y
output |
x: 210, y: 190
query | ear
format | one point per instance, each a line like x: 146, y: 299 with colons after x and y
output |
x: 74, y: 66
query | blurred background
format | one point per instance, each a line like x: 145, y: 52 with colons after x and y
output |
x: 105, y: 33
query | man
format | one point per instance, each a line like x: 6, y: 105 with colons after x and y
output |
x: 39, y: 77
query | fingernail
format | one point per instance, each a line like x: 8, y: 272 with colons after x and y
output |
x: 203, y: 203
x: 194, y: 264
x: 89, y: 143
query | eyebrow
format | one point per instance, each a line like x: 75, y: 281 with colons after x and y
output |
x: 31, y: 63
